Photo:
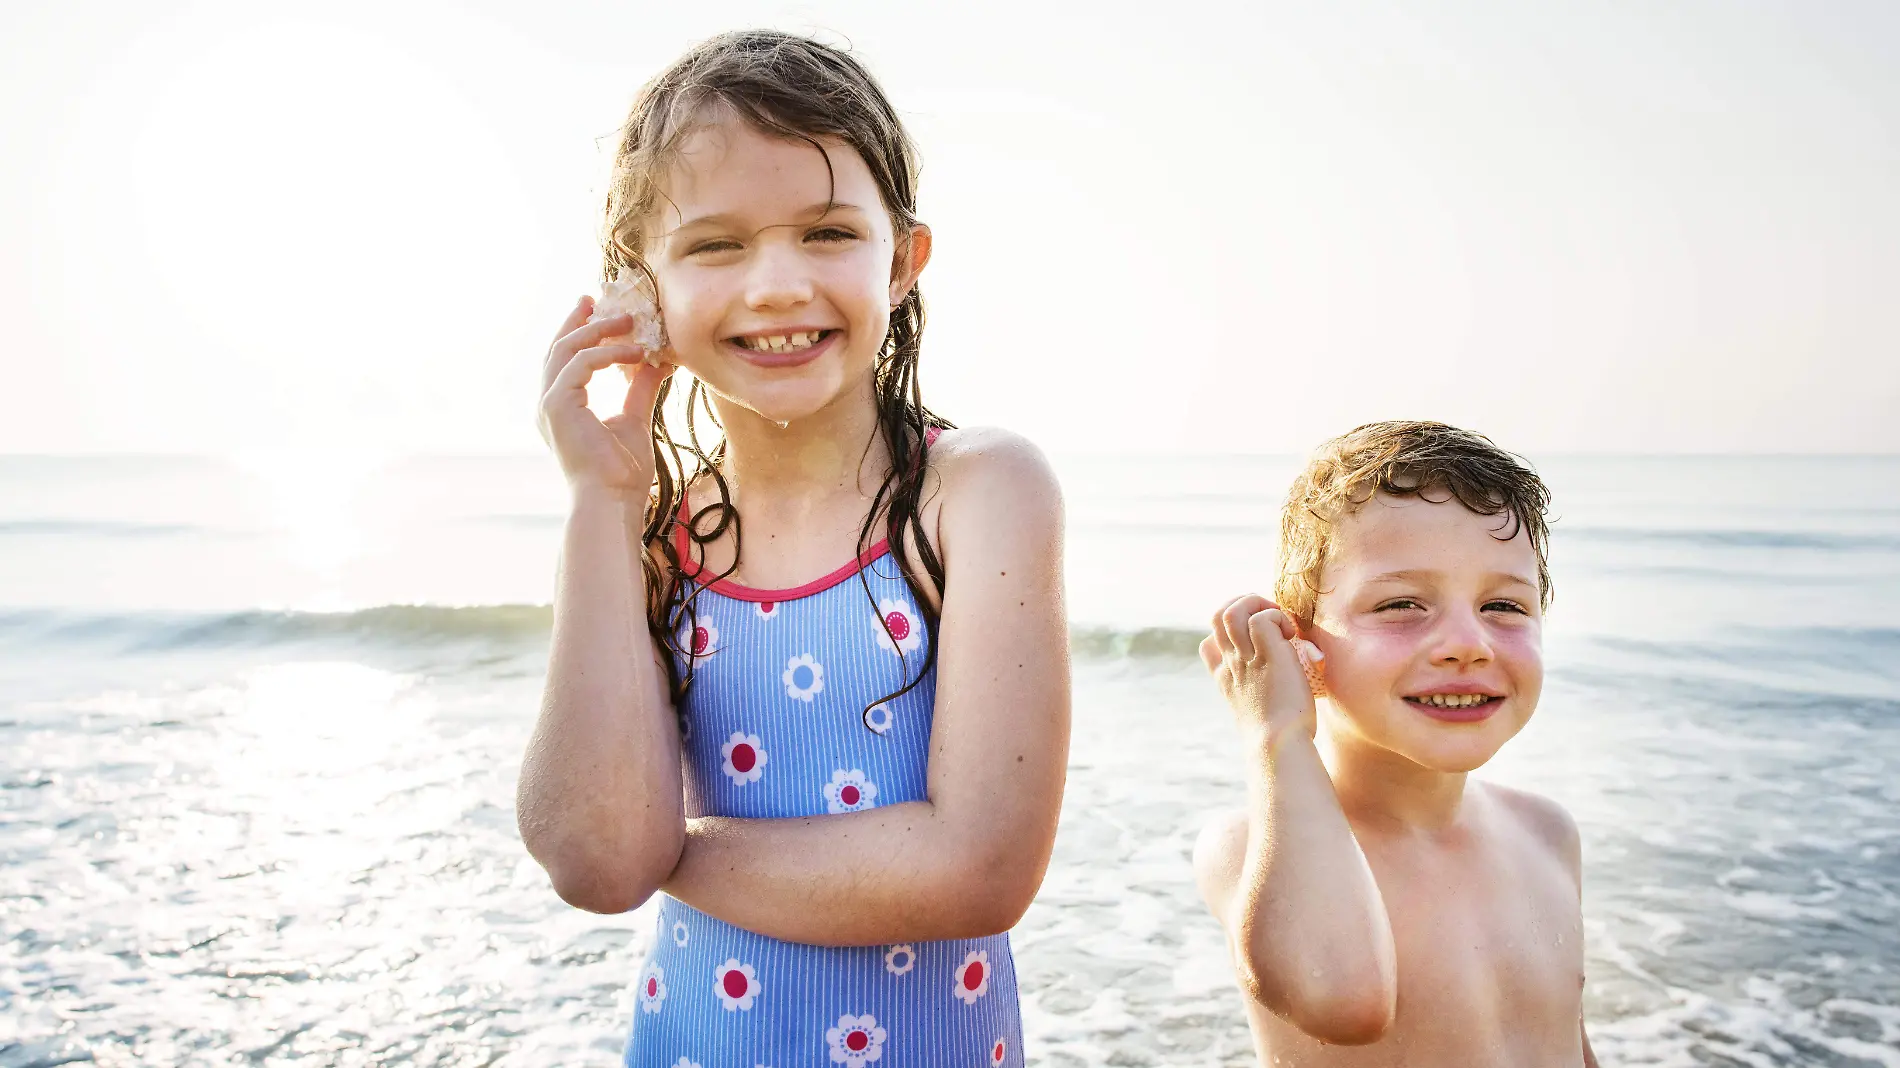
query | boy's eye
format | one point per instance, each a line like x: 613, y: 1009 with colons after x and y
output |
x: 1506, y: 606
x: 831, y: 234
x: 1398, y: 603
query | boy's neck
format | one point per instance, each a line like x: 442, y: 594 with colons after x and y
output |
x: 1378, y: 785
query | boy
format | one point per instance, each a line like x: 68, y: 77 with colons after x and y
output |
x: 1380, y: 908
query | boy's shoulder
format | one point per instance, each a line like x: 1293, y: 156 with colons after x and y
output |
x: 1544, y: 820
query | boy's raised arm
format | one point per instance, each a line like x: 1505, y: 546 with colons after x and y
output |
x: 1305, y: 922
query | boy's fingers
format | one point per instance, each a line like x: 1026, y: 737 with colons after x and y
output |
x: 1264, y: 630
x: 1218, y: 624
x: 1234, y: 622
x: 1210, y: 653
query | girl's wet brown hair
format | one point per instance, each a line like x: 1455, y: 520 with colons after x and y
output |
x: 799, y: 89
x: 1403, y: 459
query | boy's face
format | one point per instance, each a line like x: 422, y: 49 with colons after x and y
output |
x: 1432, y: 631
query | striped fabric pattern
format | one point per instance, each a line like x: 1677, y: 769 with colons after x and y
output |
x: 777, y: 726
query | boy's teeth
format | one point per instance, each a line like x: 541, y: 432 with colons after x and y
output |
x: 1455, y: 700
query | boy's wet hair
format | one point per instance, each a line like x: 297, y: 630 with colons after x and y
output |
x: 1402, y: 458
x: 791, y: 87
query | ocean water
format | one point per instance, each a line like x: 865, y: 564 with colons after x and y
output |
x: 260, y: 723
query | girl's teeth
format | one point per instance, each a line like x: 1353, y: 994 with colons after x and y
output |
x: 783, y: 342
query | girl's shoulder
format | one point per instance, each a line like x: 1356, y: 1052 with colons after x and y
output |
x: 991, y: 482
x: 989, y: 460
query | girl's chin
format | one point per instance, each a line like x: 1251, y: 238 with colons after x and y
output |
x: 778, y: 397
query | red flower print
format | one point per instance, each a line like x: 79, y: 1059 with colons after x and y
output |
x: 736, y: 986
x: 744, y: 758
x: 856, y: 1041
x: 973, y: 976
x: 898, y: 628
x: 652, y: 988
x: 849, y: 791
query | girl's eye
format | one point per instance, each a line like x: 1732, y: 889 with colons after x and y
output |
x: 1398, y: 604
x: 716, y: 245
x: 831, y: 234
x: 1506, y: 606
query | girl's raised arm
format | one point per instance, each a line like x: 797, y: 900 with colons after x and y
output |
x: 599, y: 800
x: 967, y: 861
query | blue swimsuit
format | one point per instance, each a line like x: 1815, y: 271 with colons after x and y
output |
x: 776, y: 727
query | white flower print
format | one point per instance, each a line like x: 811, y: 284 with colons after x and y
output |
x: 973, y: 976
x: 684, y: 1062
x: 652, y: 988
x: 899, y: 629
x: 998, y: 1051
x: 849, y: 791
x: 744, y: 758
x: 900, y: 959
x: 804, y: 677
x: 880, y: 718
x: 702, y: 641
x: 766, y: 609
x: 856, y: 1041
x: 736, y: 985
x: 679, y: 933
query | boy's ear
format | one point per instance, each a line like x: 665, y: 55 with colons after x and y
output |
x: 913, y: 253
x: 1312, y: 661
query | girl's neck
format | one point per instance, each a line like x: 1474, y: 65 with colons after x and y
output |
x: 833, y: 452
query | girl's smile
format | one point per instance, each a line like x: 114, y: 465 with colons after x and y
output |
x: 778, y: 266
x: 782, y: 347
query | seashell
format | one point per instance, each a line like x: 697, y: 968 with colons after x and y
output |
x: 632, y: 292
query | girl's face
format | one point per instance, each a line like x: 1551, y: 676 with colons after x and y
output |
x: 777, y: 274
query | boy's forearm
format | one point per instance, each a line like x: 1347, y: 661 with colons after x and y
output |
x: 1312, y: 939
x: 897, y: 873
x: 599, y: 800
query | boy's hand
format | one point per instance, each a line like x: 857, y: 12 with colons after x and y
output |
x: 1262, y: 666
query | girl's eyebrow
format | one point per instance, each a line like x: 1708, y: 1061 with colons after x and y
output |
x: 725, y: 220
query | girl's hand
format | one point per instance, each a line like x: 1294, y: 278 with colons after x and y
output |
x: 615, y: 454
x: 1267, y: 672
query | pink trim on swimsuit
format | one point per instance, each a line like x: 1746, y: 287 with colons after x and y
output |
x: 691, y: 569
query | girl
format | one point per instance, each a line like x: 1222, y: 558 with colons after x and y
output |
x: 844, y: 779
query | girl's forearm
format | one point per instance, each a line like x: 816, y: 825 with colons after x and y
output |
x: 1312, y: 937
x: 899, y: 873
x: 599, y: 801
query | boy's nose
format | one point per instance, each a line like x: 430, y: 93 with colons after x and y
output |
x: 778, y: 278
x: 1460, y: 638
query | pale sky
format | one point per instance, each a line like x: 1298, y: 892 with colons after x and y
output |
x: 1179, y: 227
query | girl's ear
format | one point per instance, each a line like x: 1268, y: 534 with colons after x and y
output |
x: 913, y: 252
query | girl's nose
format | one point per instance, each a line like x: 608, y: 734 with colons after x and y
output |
x: 778, y: 277
x: 1460, y: 638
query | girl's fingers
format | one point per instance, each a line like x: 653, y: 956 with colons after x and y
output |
x: 642, y: 388
x: 575, y: 373
x: 580, y: 338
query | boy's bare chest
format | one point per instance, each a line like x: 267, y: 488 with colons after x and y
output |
x: 1490, y: 952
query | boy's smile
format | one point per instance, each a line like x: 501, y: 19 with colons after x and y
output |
x: 1432, y: 630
